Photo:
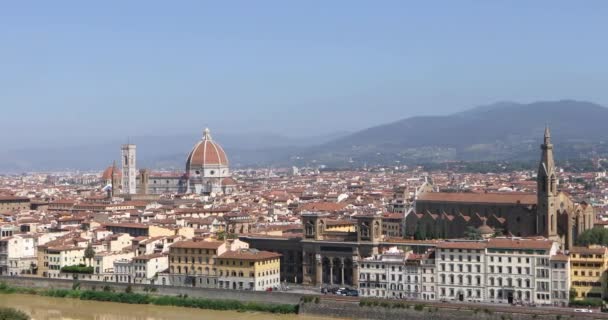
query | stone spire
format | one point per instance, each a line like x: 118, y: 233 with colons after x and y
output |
x: 547, y: 190
x: 547, y: 165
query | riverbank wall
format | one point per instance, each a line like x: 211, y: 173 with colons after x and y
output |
x: 203, y: 293
x: 352, y: 310
x: 326, y: 306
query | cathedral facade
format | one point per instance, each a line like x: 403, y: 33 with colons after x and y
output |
x: 548, y: 213
x: 207, y: 171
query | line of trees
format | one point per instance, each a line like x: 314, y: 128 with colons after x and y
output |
x: 592, y: 236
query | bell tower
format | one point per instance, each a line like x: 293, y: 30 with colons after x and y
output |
x: 129, y: 169
x: 546, y: 224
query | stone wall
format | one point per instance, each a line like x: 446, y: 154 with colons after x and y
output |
x: 350, y: 310
x: 216, y: 294
x: 326, y: 307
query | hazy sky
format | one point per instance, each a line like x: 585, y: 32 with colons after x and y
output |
x: 74, y: 70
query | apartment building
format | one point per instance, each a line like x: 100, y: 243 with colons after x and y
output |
x: 192, y: 263
x: 428, y: 276
x: 519, y: 270
x: 18, y: 255
x: 249, y: 269
x: 588, y: 272
x: 62, y: 256
x: 460, y: 270
x: 147, y: 267
x: 497, y: 270
x: 560, y: 279
x: 393, y: 274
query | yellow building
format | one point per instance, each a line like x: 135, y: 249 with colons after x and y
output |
x: 249, y: 269
x: 192, y: 263
x: 588, y: 272
x: 230, y: 264
x: 194, y: 257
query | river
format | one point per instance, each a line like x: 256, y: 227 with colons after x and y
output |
x: 47, y: 308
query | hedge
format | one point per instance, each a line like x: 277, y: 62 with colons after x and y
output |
x: 81, y: 268
x: 136, y: 298
x: 12, y: 314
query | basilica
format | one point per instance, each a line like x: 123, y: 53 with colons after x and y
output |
x: 207, y: 172
x: 548, y: 212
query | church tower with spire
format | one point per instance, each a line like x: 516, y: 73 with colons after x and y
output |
x: 547, y: 219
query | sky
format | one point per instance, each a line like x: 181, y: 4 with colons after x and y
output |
x: 77, y: 71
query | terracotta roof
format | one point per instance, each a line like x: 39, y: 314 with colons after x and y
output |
x: 585, y: 250
x: 249, y: 255
x: 502, y: 198
x: 323, y: 206
x: 475, y: 245
x: 560, y: 257
x: 197, y: 244
x: 228, y: 182
x: 532, y: 244
x: 207, y: 152
x: 13, y: 198
x: 127, y: 225
x: 149, y: 256
x: 107, y: 174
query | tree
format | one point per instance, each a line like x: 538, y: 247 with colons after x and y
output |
x: 572, y: 294
x: 597, y: 236
x: 472, y: 233
x: 420, y: 231
x: 89, y: 253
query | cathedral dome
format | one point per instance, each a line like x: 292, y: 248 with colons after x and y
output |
x: 107, y: 174
x: 207, y: 153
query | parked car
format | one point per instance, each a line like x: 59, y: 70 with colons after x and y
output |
x: 352, y: 293
x: 583, y: 310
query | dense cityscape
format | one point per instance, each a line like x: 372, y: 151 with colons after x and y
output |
x: 303, y: 160
x: 522, y: 238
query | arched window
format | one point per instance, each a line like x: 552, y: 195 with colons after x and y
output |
x: 310, y: 228
x: 364, y: 230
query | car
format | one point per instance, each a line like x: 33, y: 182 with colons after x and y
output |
x: 583, y: 310
x: 352, y: 293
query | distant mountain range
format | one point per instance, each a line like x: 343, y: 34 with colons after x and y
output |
x: 166, y: 152
x: 501, y: 131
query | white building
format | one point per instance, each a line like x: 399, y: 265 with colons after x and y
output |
x: 123, y: 271
x: 147, y: 267
x: 502, y: 270
x: 103, y: 263
x: 63, y: 256
x: 460, y: 270
x: 18, y: 255
x: 497, y: 270
x: 560, y: 279
x: 392, y: 274
x: 428, y: 275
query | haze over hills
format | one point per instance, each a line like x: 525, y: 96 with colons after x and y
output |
x: 168, y: 152
x: 500, y: 131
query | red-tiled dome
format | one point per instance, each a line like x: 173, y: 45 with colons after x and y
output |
x: 207, y: 153
x: 107, y: 174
